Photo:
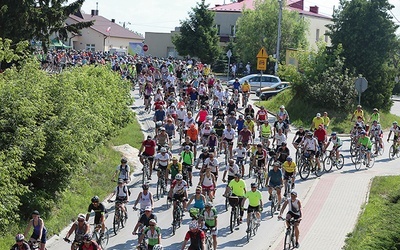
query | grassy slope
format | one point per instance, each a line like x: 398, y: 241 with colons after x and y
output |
x: 301, y: 114
x: 378, y: 226
x: 96, y: 181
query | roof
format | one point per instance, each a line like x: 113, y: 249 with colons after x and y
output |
x: 295, y: 5
x: 106, y: 27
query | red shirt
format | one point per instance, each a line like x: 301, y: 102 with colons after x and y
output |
x: 158, y: 104
x: 149, y: 147
x: 262, y: 115
x: 320, y: 134
x: 189, y: 233
x: 202, y: 115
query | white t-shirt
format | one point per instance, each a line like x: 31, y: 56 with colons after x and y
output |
x: 310, y: 144
x: 229, y: 134
x: 123, y: 171
x: 241, y: 153
x: 280, y: 138
x: 232, y: 170
x: 212, y: 163
x: 162, y: 159
x: 188, y: 121
x: 181, y: 114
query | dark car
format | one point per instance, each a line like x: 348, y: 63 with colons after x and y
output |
x: 269, y: 94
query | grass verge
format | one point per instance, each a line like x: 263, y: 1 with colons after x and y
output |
x: 302, y: 113
x: 378, y: 227
x: 95, y: 180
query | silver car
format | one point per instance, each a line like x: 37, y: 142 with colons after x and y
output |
x: 255, y: 80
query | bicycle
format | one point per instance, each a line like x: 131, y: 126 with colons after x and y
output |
x: 119, y: 217
x: 274, y: 202
x: 245, y: 99
x: 290, y: 239
x: 34, y: 244
x: 377, y: 147
x: 102, y: 240
x: 235, y: 212
x: 307, y: 167
x: 298, y: 155
x: 288, y: 188
x: 252, y: 225
x: 394, y: 151
x: 362, y: 158
x: 209, y: 239
x: 331, y: 161
x: 76, y: 244
x: 161, y: 184
x: 146, y: 169
x: 260, y: 179
x: 177, y: 216
x: 147, y: 107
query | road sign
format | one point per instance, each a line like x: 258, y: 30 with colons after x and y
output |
x: 145, y: 48
x: 262, y: 64
x: 361, y: 84
x: 229, y: 53
x: 262, y: 53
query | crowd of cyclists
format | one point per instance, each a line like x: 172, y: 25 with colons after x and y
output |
x: 196, y: 123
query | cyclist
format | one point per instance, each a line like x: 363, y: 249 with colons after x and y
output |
x: 121, y: 193
x: 289, y: 168
x: 99, y: 213
x: 238, y: 188
x: 201, y: 116
x: 228, y: 136
x: 174, y: 168
x: 20, y: 243
x: 170, y: 130
x: 178, y: 191
x: 202, y: 157
x: 212, y: 142
x: 187, y: 157
x: 249, y: 123
x: 249, y: 111
x: 231, y: 119
x: 199, y: 202
x: 279, y: 138
x: 159, y: 116
x: 298, y: 137
x: 144, y: 220
x: 80, y: 228
x: 210, y: 216
x: 193, y: 134
x: 162, y: 159
x: 377, y: 134
x: 375, y: 115
x: 265, y: 133
x: 211, y: 162
x: 255, y: 203
x: 205, y: 132
x: 196, y: 237
x: 281, y: 124
x: 149, y: 147
x: 317, y: 120
x: 39, y: 230
x: 189, y: 120
x: 294, y: 211
x: 275, y: 181
x: 144, y: 198
x: 311, y: 145
x: 282, y: 153
x: 396, y: 131
x: 337, y: 143
x: 260, y: 157
x: 123, y: 171
x: 327, y: 120
x: 240, y: 153
x: 245, y: 137
x: 282, y: 113
x: 245, y: 91
x: 152, y: 233
x: 88, y: 243
x: 358, y: 113
x: 231, y: 107
x: 162, y: 139
x: 262, y: 115
x: 366, y: 143
x: 321, y: 136
x: 208, y: 183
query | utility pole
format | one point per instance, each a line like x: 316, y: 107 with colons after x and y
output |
x: 278, y: 43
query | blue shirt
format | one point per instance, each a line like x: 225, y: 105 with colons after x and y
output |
x: 240, y: 124
x: 275, y: 178
x: 159, y: 115
x: 236, y: 85
x: 193, y: 96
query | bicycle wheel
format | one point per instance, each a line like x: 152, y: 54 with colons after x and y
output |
x: 392, y: 153
x: 233, y: 219
x: 298, y: 157
x: 209, y: 244
x: 287, y: 240
x: 304, y: 171
x: 116, y: 223
x: 273, y: 204
x: 340, y: 162
x: 318, y: 171
x: 328, y: 164
x: 123, y: 219
x: 358, y: 161
x: 371, y: 161
x: 270, y: 163
x: 96, y: 237
x: 249, y: 230
x: 105, y: 239
x: 159, y: 187
x: 175, y: 221
x: 226, y: 204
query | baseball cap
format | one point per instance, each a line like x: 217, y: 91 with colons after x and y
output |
x: 148, y: 208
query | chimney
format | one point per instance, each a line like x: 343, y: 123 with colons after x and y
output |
x: 239, y: 1
x: 217, y: 5
x: 298, y: 5
x: 314, y: 9
x: 113, y: 20
x: 94, y: 12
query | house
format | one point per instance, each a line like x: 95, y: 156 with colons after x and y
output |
x: 103, y: 35
x: 226, y: 16
x: 160, y: 44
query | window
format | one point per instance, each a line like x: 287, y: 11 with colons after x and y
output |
x: 91, y: 47
x: 233, y: 30
x: 218, y: 29
x: 326, y: 38
x: 254, y: 79
x: 317, y: 35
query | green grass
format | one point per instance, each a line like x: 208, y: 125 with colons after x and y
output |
x: 302, y: 113
x: 378, y: 227
x: 95, y: 180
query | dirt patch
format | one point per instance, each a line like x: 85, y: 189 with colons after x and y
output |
x: 130, y: 153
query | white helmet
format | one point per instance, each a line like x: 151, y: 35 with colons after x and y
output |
x: 163, y: 150
x: 178, y: 177
x: 158, y: 247
x: 193, y: 225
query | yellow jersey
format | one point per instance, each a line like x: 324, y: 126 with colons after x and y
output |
x: 250, y: 125
x: 290, y: 168
x: 318, y: 121
x: 246, y: 87
x: 358, y: 113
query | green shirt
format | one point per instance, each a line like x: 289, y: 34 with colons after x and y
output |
x: 209, y: 218
x: 375, y: 117
x: 366, y: 142
x: 238, y: 187
x: 254, y: 198
x: 187, y: 157
x: 152, y: 237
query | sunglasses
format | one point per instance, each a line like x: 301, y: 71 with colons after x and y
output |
x: 80, y: 220
x: 152, y: 225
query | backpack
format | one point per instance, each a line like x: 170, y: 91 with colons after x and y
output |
x: 126, y: 189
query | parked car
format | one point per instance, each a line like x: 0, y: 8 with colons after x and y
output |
x: 255, y: 79
x: 268, y: 94
x: 277, y: 86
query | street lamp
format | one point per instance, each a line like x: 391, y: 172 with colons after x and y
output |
x: 279, y: 36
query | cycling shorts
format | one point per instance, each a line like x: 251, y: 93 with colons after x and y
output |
x: 253, y: 209
x: 293, y: 215
x: 150, y: 157
x: 230, y: 141
x: 188, y: 167
x: 288, y: 175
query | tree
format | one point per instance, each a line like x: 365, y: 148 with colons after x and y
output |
x: 22, y: 20
x: 367, y: 33
x: 198, y: 35
x: 259, y: 28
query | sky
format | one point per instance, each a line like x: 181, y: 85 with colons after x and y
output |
x: 164, y: 15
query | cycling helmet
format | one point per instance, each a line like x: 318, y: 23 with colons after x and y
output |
x: 187, y: 147
x: 240, y: 143
x: 193, y: 225
x: 294, y: 193
x: 204, y: 150
x: 240, y: 116
x: 173, y: 105
x: 283, y: 143
x: 253, y: 184
x: 248, y: 117
x: 212, y: 132
x: 259, y: 145
x: 87, y: 237
x: 123, y: 160
x: 309, y: 133
x: 363, y: 132
x: 35, y: 212
x: 178, y: 177
x: 375, y: 109
x: 395, y: 122
x: 209, y: 204
x: 232, y: 112
x: 282, y: 107
x: 174, y: 158
x: 19, y: 237
x: 289, y: 158
x: 333, y: 134
x: 374, y: 121
x: 163, y: 150
x: 162, y: 129
x: 277, y: 164
x: 219, y: 120
x: 145, y: 186
x: 153, y: 221
x: 95, y: 199
x: 238, y: 175
x: 158, y: 247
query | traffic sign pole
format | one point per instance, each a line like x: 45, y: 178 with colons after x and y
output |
x: 259, y: 97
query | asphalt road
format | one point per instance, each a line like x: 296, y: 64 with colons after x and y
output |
x: 331, y: 206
